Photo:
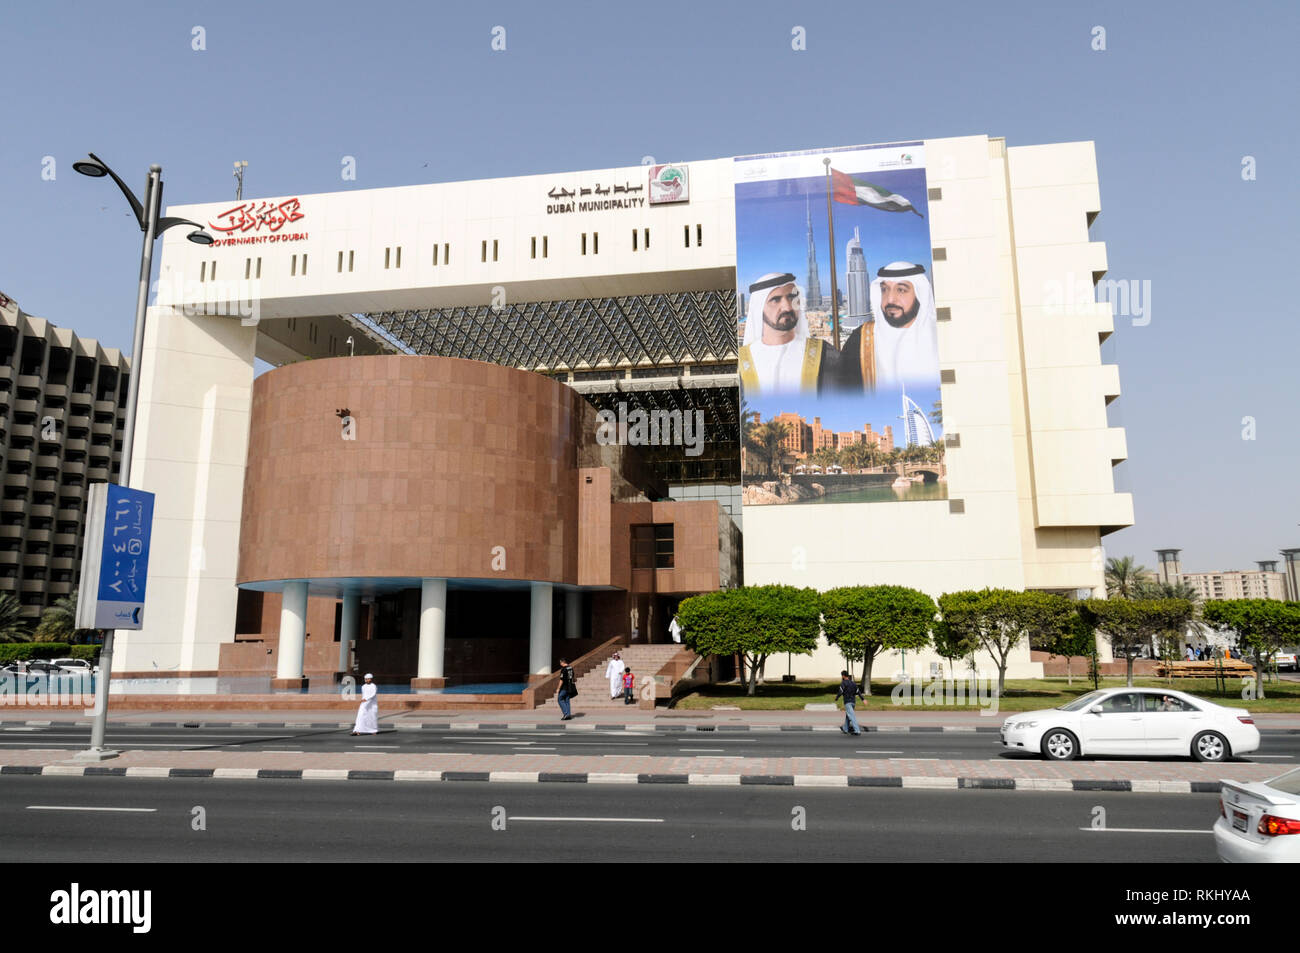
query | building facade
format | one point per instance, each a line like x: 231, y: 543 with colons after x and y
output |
x: 61, y: 400
x: 583, y: 278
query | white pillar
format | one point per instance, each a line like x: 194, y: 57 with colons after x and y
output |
x: 539, y: 629
x: 573, y: 614
x: 433, y: 628
x: 293, y: 630
x: 348, y: 628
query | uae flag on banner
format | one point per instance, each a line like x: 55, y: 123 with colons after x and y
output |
x: 857, y: 192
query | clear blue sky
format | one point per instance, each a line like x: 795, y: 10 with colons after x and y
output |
x: 415, y: 93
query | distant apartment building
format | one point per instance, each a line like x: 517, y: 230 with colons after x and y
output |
x: 60, y: 430
x: 1262, y: 583
x: 1233, y: 584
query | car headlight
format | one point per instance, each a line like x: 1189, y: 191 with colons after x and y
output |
x: 1025, y: 724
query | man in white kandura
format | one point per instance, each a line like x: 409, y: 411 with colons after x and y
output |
x: 614, y: 672
x: 675, y: 629
x: 907, y: 340
x: 368, y: 713
x: 778, y: 356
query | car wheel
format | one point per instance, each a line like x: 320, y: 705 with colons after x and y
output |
x: 1210, y: 746
x: 1060, y: 745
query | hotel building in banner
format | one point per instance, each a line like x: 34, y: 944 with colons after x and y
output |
x: 504, y: 417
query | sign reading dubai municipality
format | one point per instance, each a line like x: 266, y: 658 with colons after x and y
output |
x: 115, y: 563
x: 838, y: 356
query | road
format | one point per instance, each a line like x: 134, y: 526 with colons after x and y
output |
x: 1281, y: 748
x: 87, y: 820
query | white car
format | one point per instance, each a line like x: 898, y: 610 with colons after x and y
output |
x: 1133, y: 721
x: 1259, y: 822
x: 1286, y: 661
x: 75, y: 666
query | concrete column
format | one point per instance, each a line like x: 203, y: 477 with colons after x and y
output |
x: 539, y: 629
x: 348, y: 630
x: 573, y: 614
x: 293, y: 636
x: 433, y: 634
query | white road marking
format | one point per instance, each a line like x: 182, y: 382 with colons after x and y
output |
x: 22, y: 729
x: 377, y: 746
x: 538, y: 748
x: 1284, y: 756
x: 1143, y: 830
x: 877, y: 751
x: 594, y: 820
x: 123, y: 810
x: 702, y: 750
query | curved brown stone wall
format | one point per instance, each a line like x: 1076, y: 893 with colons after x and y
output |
x: 450, y: 459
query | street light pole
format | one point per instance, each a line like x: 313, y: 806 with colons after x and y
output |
x: 147, y: 215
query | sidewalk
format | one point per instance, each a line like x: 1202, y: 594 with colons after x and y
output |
x: 1007, y: 774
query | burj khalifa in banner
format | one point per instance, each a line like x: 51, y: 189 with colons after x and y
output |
x: 814, y: 279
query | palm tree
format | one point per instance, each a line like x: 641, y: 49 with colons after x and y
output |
x: 1124, y: 577
x: 936, y: 414
x: 12, y: 626
x: 768, y: 438
x: 59, y: 621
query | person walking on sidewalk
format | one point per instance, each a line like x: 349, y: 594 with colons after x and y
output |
x: 568, y: 688
x: 849, y: 692
x: 368, y: 714
x: 629, y: 682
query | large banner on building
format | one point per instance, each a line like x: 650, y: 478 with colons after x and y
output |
x: 839, y: 365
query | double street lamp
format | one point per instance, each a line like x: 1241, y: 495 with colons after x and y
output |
x: 146, y: 214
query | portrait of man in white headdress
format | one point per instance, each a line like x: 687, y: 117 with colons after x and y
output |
x: 778, y: 354
x: 906, y: 342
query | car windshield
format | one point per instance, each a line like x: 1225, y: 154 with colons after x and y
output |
x: 1083, y: 701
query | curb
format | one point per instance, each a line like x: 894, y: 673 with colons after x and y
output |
x: 917, y: 782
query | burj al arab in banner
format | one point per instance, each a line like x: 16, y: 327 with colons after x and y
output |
x: 838, y: 355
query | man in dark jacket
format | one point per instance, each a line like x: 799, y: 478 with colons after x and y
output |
x: 568, y: 688
x: 849, y: 692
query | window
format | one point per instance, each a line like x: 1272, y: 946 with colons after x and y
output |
x: 534, y: 251
x: 484, y: 253
x: 259, y: 268
x: 340, y: 263
x: 494, y: 249
x: 595, y: 243
x: 647, y: 239
x: 634, y: 238
x: 652, y: 546
x: 699, y: 235
x: 584, y: 243
x: 543, y: 246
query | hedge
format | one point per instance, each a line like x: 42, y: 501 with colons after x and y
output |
x: 14, y: 651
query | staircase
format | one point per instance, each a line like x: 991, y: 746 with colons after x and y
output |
x: 643, y: 660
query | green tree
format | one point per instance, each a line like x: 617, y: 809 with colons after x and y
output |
x: 58, y: 623
x: 12, y: 626
x: 950, y: 645
x: 1262, y: 625
x: 752, y: 621
x: 1130, y: 624
x: 1000, y: 619
x: 1075, y: 640
x: 768, y: 440
x: 1123, y: 576
x: 863, y: 621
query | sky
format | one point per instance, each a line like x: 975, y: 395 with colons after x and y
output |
x: 1179, y: 102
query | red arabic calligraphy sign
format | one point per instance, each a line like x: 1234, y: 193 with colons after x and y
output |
x: 251, y: 216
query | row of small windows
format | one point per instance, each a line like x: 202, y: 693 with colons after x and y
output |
x: 589, y: 243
